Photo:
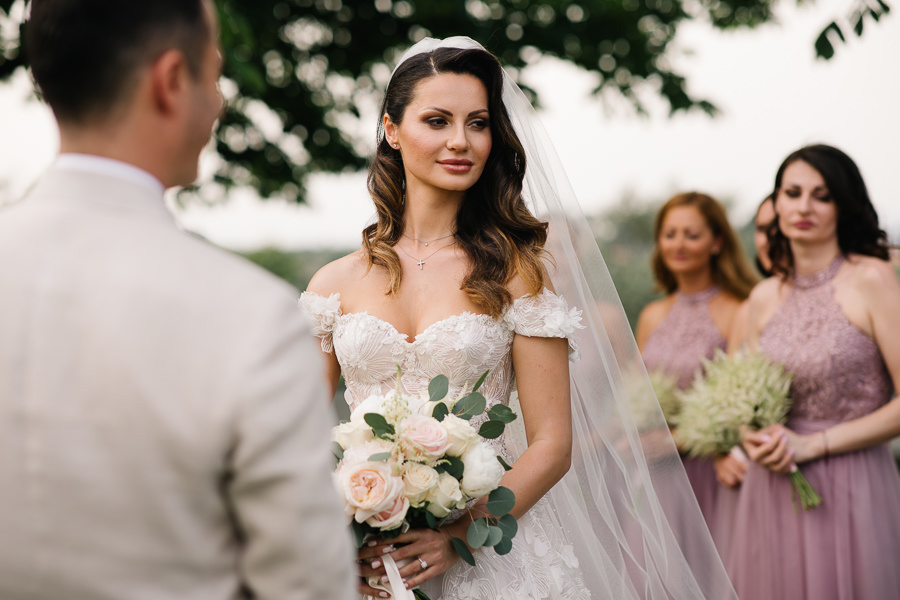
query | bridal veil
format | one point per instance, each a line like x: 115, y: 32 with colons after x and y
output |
x: 626, y: 504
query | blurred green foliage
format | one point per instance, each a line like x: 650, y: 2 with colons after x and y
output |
x: 299, y: 74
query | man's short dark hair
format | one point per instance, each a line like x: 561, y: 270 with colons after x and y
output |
x: 85, y: 54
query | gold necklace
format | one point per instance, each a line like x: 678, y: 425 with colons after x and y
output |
x: 421, y: 261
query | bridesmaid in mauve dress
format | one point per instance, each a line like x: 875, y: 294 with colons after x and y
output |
x: 699, y: 263
x: 830, y: 316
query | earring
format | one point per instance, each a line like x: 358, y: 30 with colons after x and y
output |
x: 395, y: 145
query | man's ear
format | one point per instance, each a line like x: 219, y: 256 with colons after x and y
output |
x: 168, y: 80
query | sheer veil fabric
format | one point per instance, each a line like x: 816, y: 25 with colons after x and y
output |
x: 626, y: 504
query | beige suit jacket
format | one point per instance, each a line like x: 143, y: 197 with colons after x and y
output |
x: 164, y: 431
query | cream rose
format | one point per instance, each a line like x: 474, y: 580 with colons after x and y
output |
x: 445, y: 496
x: 422, y: 438
x: 352, y: 433
x: 372, y: 404
x: 418, y: 479
x: 392, y: 517
x: 369, y: 488
x: 460, y: 435
x: 482, y: 473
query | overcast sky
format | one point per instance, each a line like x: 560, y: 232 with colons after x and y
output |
x: 774, y: 95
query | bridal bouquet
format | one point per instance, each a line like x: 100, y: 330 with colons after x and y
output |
x: 744, y: 389
x: 409, y: 462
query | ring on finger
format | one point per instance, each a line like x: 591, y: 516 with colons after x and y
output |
x: 422, y: 563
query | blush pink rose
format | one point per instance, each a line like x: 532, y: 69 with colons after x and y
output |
x: 423, y: 438
x: 392, y: 517
x: 369, y: 488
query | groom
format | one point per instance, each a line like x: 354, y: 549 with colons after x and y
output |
x: 163, y: 432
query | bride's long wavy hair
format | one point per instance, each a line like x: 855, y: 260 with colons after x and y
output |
x: 494, y: 227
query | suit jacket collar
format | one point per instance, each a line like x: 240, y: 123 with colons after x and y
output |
x: 99, y: 191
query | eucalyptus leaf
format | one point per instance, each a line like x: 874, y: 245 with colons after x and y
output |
x: 469, y: 406
x: 504, y: 546
x: 420, y: 595
x: 452, y: 465
x: 480, y: 381
x: 509, y: 525
x: 337, y: 450
x: 477, y: 533
x: 437, y: 388
x: 503, y: 462
x: 491, y: 429
x: 463, y: 550
x: 495, y: 535
x: 431, y: 520
x: 440, y: 411
x: 501, y: 413
x: 501, y: 501
x: 380, y: 457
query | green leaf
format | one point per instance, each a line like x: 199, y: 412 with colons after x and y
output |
x: 491, y: 429
x: 509, y: 525
x: 495, y: 535
x: 503, y: 462
x: 470, y: 406
x: 504, y: 546
x: 431, y: 520
x: 463, y: 550
x: 501, y: 413
x: 824, y: 47
x: 420, y: 595
x: 380, y: 427
x: 437, y: 388
x: 360, y: 531
x: 337, y: 450
x: 440, y: 411
x: 478, y: 533
x: 380, y: 457
x: 480, y: 380
x: 858, y: 26
x: 501, y: 501
x: 452, y: 465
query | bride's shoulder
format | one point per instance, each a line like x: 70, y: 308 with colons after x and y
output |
x: 338, y: 275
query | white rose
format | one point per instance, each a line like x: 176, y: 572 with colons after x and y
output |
x: 445, y: 496
x: 418, y: 480
x: 372, y: 404
x: 460, y: 435
x: 422, y: 437
x: 482, y: 473
x: 352, y: 433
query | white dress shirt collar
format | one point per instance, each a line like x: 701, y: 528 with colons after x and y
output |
x: 111, y: 167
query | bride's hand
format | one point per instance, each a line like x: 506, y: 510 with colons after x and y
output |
x: 427, y: 547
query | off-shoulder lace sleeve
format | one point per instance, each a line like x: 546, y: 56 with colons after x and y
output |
x: 546, y: 315
x: 322, y: 312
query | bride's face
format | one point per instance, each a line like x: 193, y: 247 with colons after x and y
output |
x: 444, y: 136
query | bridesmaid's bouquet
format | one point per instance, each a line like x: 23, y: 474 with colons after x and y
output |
x: 644, y: 404
x: 741, y: 390
x: 409, y: 462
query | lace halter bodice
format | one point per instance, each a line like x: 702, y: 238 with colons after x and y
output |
x: 684, y: 336
x: 462, y: 347
x: 839, y: 373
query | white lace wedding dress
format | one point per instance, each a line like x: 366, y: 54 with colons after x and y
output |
x: 542, y: 563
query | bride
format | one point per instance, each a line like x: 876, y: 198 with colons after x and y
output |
x: 458, y: 276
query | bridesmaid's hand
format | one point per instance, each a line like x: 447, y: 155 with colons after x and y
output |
x: 769, y: 448
x: 729, y: 470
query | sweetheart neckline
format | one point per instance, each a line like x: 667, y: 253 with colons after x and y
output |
x: 415, y: 338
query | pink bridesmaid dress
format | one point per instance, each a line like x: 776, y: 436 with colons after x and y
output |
x: 684, y: 336
x: 848, y: 548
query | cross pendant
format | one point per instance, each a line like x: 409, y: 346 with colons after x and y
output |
x: 421, y: 264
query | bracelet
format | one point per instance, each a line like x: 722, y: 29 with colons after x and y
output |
x: 826, y: 454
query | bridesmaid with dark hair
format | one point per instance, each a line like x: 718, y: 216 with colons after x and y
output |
x: 830, y: 316
x: 699, y: 263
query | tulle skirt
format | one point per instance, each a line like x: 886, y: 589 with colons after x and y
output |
x: 847, y: 548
